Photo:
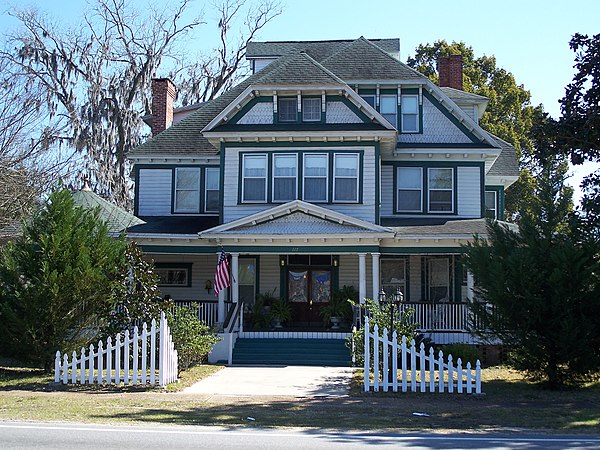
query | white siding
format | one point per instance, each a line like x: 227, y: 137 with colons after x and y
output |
x: 232, y: 211
x: 437, y: 128
x: 469, y: 192
x: 387, y: 190
x: 154, y: 192
x: 203, y: 268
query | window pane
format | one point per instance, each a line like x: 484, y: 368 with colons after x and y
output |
x: 393, y: 275
x: 187, y: 201
x: 187, y: 178
x: 387, y: 104
x: 410, y: 104
x: 440, y: 178
x: 287, y: 109
x: 370, y: 99
x: 254, y: 189
x: 439, y: 279
x: 285, y: 166
x: 212, y: 201
x: 321, y: 286
x: 255, y: 166
x: 346, y: 165
x: 409, y: 177
x: 315, y: 165
x: 409, y: 200
x: 212, y: 178
x: 409, y: 122
x: 284, y: 189
x: 440, y: 200
x: 346, y: 189
x: 311, y: 109
x: 315, y: 189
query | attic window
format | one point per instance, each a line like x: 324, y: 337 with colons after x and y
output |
x: 287, y: 109
x: 410, y: 114
x: 311, y: 109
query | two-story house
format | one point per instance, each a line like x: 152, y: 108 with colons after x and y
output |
x: 332, y: 164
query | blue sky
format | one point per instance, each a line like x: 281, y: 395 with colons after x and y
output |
x: 528, y: 37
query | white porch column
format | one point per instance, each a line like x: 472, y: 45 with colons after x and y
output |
x: 470, y: 286
x: 362, y: 277
x: 375, y: 270
x: 235, y: 291
x: 221, y: 307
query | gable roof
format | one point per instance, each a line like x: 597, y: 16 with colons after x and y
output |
x: 506, y: 164
x: 319, y: 50
x: 363, y: 60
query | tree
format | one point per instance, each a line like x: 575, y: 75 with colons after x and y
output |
x: 95, y: 80
x: 57, y: 281
x: 509, y: 114
x: 577, y: 132
x: 538, y: 287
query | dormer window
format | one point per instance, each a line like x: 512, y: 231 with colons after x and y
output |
x: 311, y: 109
x: 410, y: 114
x: 388, y: 108
x: 287, y: 109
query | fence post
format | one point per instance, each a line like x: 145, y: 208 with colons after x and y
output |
x: 82, y: 364
x: 376, y: 358
x: 478, y: 378
x: 153, y: 352
x: 385, y: 353
x: 109, y: 349
x: 144, y: 353
x: 450, y: 374
x: 469, y: 379
x: 118, y: 359
x: 126, y: 344
x: 431, y: 370
x: 65, y: 368
x: 57, y: 367
x: 74, y: 367
x: 100, y: 366
x: 91, y: 364
x: 460, y: 376
x: 136, y: 355
x: 441, y: 371
x: 161, y: 350
x: 422, y: 364
x: 395, y: 361
x: 367, y: 364
x: 403, y: 364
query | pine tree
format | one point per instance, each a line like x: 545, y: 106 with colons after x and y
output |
x: 538, y: 288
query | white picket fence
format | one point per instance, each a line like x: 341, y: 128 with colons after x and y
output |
x: 131, y: 360
x: 419, y: 372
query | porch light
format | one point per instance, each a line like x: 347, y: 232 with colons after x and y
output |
x: 382, y: 296
x: 335, y: 261
x: 282, y: 261
x: 208, y: 286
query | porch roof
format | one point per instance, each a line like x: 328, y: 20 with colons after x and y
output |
x: 440, y: 228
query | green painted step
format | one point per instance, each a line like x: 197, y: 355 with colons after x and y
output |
x: 329, y: 352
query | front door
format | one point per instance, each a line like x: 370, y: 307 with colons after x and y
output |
x: 308, y: 290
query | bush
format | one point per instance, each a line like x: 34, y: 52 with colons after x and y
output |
x: 466, y: 353
x: 380, y: 315
x: 192, y: 338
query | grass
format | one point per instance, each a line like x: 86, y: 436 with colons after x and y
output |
x: 510, y: 403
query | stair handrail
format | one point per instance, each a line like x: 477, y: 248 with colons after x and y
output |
x: 232, y: 317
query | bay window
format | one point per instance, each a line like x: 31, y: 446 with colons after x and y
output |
x: 254, y: 178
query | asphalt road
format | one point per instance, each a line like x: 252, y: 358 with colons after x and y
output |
x: 26, y: 435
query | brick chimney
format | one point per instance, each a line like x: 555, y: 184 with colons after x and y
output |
x: 163, y: 95
x: 450, y: 70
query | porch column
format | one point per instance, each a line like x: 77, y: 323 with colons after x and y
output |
x: 375, y: 263
x: 470, y: 286
x: 362, y: 277
x: 235, y: 291
x: 221, y: 306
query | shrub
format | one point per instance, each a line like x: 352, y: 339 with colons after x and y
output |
x: 466, y: 353
x: 192, y: 338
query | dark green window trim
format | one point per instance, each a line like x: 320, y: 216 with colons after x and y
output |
x: 425, y: 200
x: 411, y: 92
x: 268, y: 175
x: 300, y: 158
x: 256, y: 259
x: 322, y: 119
x: 279, y: 99
x: 187, y: 267
x: 499, y: 190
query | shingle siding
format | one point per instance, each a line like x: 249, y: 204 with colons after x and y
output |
x: 261, y: 113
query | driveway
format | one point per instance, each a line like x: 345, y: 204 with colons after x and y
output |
x: 287, y: 381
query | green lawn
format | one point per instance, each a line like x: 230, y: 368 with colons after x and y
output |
x: 510, y: 403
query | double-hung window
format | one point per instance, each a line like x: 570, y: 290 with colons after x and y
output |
x: 315, y: 181
x: 491, y: 204
x: 410, y: 114
x: 388, y: 108
x: 211, y: 189
x: 345, y: 178
x: 409, y: 189
x: 441, y: 190
x: 287, y: 109
x: 187, y: 190
x: 311, y: 109
x: 285, y: 178
x: 370, y: 99
x: 254, y: 178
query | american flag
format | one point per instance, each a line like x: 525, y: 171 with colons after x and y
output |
x: 222, y: 274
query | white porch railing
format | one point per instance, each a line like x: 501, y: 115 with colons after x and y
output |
x: 131, y: 360
x: 207, y: 310
x: 419, y: 371
x: 440, y: 316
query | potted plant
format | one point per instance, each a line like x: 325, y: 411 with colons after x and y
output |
x: 339, y: 308
x: 280, y: 312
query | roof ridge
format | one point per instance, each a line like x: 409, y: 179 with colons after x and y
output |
x: 397, y: 61
x: 323, y: 68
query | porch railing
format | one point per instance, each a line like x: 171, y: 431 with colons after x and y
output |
x: 207, y: 309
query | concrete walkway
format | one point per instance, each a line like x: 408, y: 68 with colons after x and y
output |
x: 287, y: 381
